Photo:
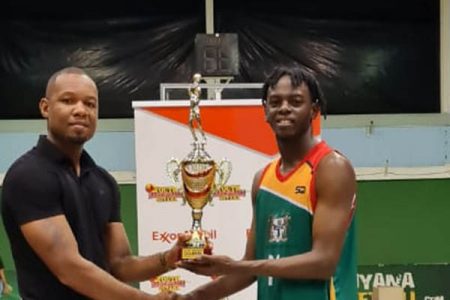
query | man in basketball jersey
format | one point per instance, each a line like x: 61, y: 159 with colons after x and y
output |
x: 301, y: 244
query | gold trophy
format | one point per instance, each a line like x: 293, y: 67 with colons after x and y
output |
x: 198, y: 176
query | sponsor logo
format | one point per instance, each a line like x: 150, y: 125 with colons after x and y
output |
x: 366, y: 282
x: 172, y: 193
x: 170, y: 237
x: 230, y: 192
x: 168, y: 283
x: 278, y: 229
x: 162, y: 193
x: 300, y: 189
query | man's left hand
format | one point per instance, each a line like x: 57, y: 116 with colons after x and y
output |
x: 209, y: 265
x: 173, y: 255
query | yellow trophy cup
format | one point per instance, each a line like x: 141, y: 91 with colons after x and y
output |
x: 198, y: 176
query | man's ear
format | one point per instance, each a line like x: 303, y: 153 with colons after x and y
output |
x: 43, y: 107
x: 315, y: 108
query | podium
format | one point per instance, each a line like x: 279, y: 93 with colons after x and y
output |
x: 388, y: 293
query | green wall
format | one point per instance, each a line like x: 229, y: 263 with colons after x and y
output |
x: 398, y: 222
x: 404, y: 221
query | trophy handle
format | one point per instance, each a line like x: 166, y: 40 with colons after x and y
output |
x: 223, y: 173
x: 173, y: 169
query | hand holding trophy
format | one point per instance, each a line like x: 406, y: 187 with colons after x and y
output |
x: 198, y: 176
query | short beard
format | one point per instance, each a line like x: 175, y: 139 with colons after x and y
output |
x: 77, y: 140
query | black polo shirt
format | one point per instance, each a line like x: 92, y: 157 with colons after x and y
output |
x: 42, y: 184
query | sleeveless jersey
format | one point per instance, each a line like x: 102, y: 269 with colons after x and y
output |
x: 284, y: 214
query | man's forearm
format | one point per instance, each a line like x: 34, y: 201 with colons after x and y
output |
x: 3, y: 277
x: 84, y: 275
x: 133, y: 268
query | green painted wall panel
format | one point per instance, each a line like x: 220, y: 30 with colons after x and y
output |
x: 129, y: 213
x: 404, y: 221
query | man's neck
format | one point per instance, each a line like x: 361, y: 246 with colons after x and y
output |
x: 292, y: 151
x: 71, y: 151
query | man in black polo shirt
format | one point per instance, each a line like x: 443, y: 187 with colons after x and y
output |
x: 62, y: 212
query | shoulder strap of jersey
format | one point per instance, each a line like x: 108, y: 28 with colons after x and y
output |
x: 313, y: 159
x: 264, y: 171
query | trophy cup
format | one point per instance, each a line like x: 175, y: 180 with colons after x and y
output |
x: 197, y: 176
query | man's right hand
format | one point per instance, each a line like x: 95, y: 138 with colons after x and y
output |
x: 171, y: 296
x: 209, y: 265
x: 181, y: 297
x: 7, y: 289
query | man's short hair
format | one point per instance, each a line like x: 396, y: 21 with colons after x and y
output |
x: 298, y: 75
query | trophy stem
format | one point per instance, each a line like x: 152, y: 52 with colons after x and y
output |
x: 196, y: 219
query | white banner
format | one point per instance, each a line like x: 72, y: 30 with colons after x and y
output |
x: 235, y: 130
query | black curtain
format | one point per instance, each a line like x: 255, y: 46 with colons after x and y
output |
x: 370, y: 57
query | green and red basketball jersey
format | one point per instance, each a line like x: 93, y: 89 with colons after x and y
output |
x: 284, y: 213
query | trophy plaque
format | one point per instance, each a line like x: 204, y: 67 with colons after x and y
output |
x: 197, y: 176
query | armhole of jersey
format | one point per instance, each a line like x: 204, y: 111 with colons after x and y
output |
x: 314, y: 163
x: 352, y: 211
x: 312, y: 188
x: 263, y: 173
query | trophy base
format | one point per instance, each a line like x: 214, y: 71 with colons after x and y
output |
x: 190, y: 253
